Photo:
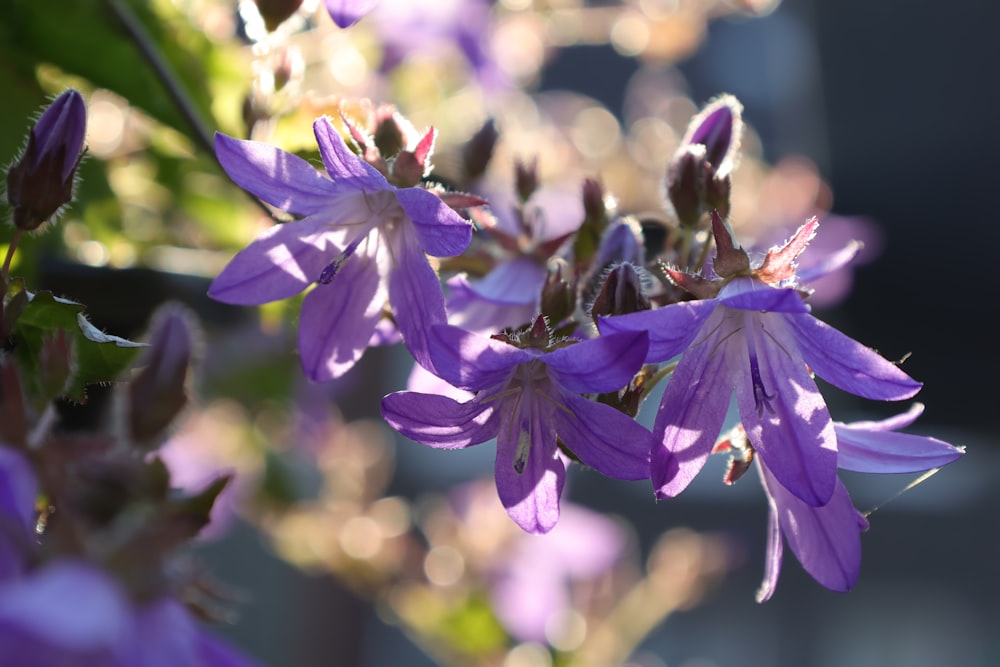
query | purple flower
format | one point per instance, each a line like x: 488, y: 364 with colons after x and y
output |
x: 754, y: 336
x: 826, y: 540
x: 18, y: 491
x: 71, y: 613
x: 527, y: 398
x: 362, y: 240
x: 40, y: 182
x: 532, y: 586
x: 346, y: 13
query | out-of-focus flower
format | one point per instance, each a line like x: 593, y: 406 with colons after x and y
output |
x: 72, y: 613
x: 825, y: 540
x: 18, y: 490
x: 362, y: 242
x: 346, y: 13
x: 531, y: 590
x: 527, y: 398
x: 752, y: 333
x: 40, y: 182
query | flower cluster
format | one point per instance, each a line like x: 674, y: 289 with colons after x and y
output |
x: 552, y: 388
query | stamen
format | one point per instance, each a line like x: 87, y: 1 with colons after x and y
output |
x: 761, y: 398
x: 523, y: 448
x: 331, y: 270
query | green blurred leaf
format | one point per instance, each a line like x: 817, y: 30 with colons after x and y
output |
x: 86, y: 38
x: 98, y: 357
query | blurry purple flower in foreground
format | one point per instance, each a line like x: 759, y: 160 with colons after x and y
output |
x: 346, y: 13
x: 752, y: 333
x: 71, y: 613
x: 18, y: 490
x: 826, y: 540
x: 527, y: 398
x: 362, y: 240
x: 40, y: 182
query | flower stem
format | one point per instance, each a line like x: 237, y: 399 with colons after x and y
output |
x: 147, y: 47
x: 10, y: 255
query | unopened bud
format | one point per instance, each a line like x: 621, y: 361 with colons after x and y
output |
x: 158, y: 393
x: 55, y: 364
x: 622, y: 242
x: 478, y: 151
x: 388, y: 136
x: 685, y: 184
x: 276, y: 12
x: 558, y: 294
x: 719, y: 128
x: 40, y: 182
x: 526, y: 178
x: 621, y: 293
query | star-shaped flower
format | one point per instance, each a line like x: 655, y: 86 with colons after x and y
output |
x: 752, y: 333
x: 362, y: 242
x: 528, y: 397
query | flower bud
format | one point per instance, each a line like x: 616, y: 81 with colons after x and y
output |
x: 621, y: 293
x: 526, y: 178
x: 40, y: 182
x: 719, y: 128
x: 276, y: 12
x: 478, y: 151
x: 158, y: 393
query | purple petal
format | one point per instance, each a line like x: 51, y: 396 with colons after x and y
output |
x: 602, y: 364
x: 279, y: 178
x: 751, y: 294
x: 849, y: 365
x: 671, y: 329
x: 894, y: 423
x: 772, y: 557
x: 280, y: 263
x: 830, y: 263
x: 344, y: 167
x: 337, y: 320
x: 531, y: 497
x: 517, y: 281
x: 863, y: 450
x: 63, y: 126
x: 425, y: 382
x: 165, y: 635
x: 784, y: 414
x: 214, y: 652
x: 471, y: 361
x: 18, y: 489
x: 691, y: 412
x: 438, y: 421
x: 603, y: 438
x: 65, y: 613
x: 346, y: 13
x: 415, y: 296
x: 442, y: 232
x: 826, y: 540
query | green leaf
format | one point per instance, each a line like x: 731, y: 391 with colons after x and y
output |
x: 98, y: 357
x: 86, y: 38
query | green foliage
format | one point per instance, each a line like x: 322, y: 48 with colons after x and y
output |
x: 97, y: 356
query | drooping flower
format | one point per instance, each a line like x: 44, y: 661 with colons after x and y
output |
x: 40, y: 182
x: 528, y: 397
x: 752, y: 333
x: 362, y: 241
x: 826, y: 540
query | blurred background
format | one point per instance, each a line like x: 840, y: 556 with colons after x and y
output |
x: 345, y: 545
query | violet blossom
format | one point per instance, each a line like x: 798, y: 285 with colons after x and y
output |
x: 362, y: 242
x: 18, y: 490
x: 528, y: 398
x: 826, y: 540
x: 69, y: 612
x: 752, y: 333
